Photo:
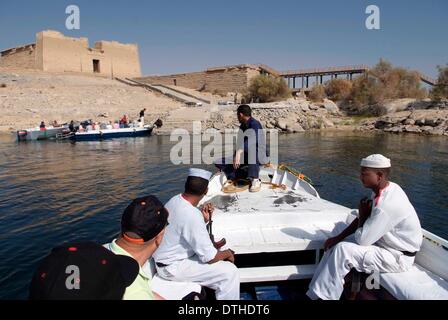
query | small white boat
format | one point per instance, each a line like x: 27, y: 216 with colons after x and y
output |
x: 93, y: 135
x: 103, y: 134
x: 278, y: 236
x: 34, y: 134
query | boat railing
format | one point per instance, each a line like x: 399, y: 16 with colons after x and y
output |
x: 64, y: 136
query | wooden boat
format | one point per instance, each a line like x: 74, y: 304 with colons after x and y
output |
x: 278, y: 236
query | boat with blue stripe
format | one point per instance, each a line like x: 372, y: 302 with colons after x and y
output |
x: 94, y: 135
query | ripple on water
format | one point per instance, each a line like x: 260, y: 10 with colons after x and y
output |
x: 57, y: 192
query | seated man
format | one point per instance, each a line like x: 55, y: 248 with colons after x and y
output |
x: 83, y: 271
x: 142, y: 227
x: 387, y: 234
x: 250, y: 153
x: 187, y: 252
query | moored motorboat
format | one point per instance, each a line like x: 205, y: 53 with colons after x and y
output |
x: 34, y: 134
x: 103, y: 134
x: 94, y: 135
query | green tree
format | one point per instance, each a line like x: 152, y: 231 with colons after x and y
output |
x: 440, y: 90
x: 384, y: 82
x: 338, y: 89
x: 317, y: 93
x: 267, y: 88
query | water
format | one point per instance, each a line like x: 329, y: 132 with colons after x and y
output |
x: 55, y: 192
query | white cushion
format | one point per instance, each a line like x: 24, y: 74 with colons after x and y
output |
x: 173, y: 290
x: 415, y: 284
x: 169, y: 290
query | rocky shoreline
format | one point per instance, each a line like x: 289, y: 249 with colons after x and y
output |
x: 291, y: 116
x: 431, y: 119
x: 27, y: 97
x: 295, y: 116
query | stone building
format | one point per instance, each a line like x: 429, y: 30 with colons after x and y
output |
x: 218, y: 79
x: 54, y: 52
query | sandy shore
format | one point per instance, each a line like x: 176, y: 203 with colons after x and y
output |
x: 28, y: 97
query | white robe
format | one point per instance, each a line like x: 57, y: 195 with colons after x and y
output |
x: 186, y: 249
x: 392, y: 227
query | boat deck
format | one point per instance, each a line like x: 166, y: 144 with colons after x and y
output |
x: 276, y: 220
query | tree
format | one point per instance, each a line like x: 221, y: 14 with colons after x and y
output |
x: 385, y: 82
x: 440, y: 90
x: 267, y: 88
x: 338, y: 89
x: 317, y: 93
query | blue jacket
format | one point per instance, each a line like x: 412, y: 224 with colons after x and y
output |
x: 259, y: 141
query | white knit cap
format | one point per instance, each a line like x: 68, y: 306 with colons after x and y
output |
x: 200, y: 173
x: 376, y: 161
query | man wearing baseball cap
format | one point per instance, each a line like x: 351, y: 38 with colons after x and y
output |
x: 187, y: 254
x: 387, y: 234
x: 142, y: 228
x: 83, y: 271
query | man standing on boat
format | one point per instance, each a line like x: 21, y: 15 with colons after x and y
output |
x: 187, y: 252
x: 142, y: 118
x: 387, y: 234
x: 251, y: 149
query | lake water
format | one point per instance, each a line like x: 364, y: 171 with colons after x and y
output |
x: 53, y: 192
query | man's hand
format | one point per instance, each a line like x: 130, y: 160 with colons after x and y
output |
x: 207, y: 211
x: 331, y: 242
x: 237, y: 159
x: 226, y: 255
x: 365, y: 209
x: 231, y: 256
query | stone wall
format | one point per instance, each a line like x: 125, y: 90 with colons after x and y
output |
x: 21, y: 57
x: 219, y: 80
x: 192, y: 80
x: 54, y: 52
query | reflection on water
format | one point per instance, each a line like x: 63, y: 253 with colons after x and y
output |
x: 55, y: 192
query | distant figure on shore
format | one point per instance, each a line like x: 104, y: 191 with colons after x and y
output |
x: 42, y: 126
x: 387, y: 234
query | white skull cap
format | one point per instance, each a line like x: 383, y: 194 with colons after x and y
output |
x: 376, y: 161
x: 204, y: 174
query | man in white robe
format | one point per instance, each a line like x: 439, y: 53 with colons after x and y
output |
x: 186, y: 252
x: 387, y: 234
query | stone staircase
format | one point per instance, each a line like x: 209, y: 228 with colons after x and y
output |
x: 167, y: 91
x: 183, y: 118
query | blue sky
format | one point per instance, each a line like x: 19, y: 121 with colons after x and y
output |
x: 190, y: 35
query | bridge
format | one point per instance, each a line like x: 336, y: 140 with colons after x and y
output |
x: 319, y: 73
x: 300, y: 79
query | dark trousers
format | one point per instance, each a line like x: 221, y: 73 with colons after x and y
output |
x: 251, y: 171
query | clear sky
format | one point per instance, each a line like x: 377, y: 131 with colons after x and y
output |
x: 191, y: 35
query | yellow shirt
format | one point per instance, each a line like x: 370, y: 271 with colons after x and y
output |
x: 140, y: 289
